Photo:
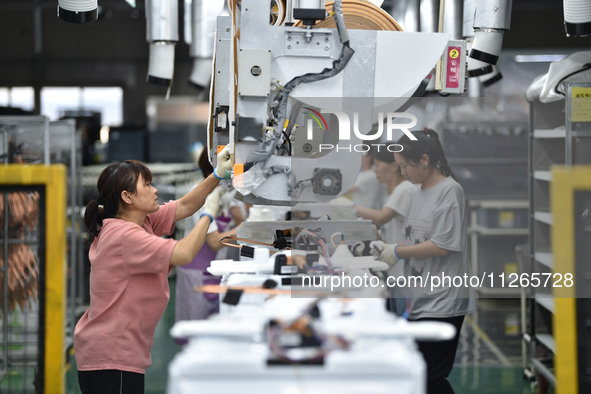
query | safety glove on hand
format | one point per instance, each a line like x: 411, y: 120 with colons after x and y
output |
x: 224, y: 163
x: 384, y: 252
x: 211, y: 207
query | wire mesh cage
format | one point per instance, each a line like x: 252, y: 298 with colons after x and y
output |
x: 19, y: 289
x: 33, y: 261
x: 32, y: 338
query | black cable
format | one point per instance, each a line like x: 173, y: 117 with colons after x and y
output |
x: 288, y: 143
x: 267, y: 147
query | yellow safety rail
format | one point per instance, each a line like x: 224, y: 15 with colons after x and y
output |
x: 565, y: 182
x: 53, y: 177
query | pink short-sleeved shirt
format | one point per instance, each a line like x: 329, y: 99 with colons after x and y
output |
x: 128, y: 293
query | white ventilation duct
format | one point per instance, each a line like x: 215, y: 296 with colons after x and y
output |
x: 487, y: 45
x: 162, y: 34
x: 430, y: 11
x: 161, y: 63
x: 577, y: 17
x: 204, y: 15
x: 452, y: 18
x: 490, y: 78
x: 423, y: 16
x: 491, y: 19
x: 411, y: 20
x: 429, y: 16
x: 468, y: 19
x: 77, y: 11
x: 476, y: 68
x: 201, y: 72
x: 397, y: 10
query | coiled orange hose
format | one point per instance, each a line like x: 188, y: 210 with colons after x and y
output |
x: 360, y: 15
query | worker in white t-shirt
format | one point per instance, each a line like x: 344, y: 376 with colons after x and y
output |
x: 390, y: 217
x: 367, y: 191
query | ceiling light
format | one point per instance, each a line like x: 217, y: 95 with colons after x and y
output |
x: 538, y: 58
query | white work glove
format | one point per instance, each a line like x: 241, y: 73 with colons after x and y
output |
x: 384, y: 252
x: 224, y: 163
x: 211, y: 207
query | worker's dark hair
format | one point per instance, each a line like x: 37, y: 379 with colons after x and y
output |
x: 205, y: 165
x: 427, y: 143
x: 382, y: 153
x: 114, y: 179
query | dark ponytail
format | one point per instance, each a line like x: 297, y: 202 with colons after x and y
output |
x: 427, y: 143
x: 93, y: 219
x: 114, y: 179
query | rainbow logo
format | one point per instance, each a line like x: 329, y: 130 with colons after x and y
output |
x: 317, y: 117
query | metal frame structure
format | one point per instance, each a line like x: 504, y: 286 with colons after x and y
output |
x: 65, y: 148
x: 556, y: 138
x: 566, y: 184
x: 51, y: 179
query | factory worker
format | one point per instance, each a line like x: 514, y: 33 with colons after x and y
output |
x: 391, y: 215
x: 435, y: 244
x: 191, y: 304
x: 130, y: 261
x: 367, y: 191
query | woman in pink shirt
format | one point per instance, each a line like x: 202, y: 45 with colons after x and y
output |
x: 130, y: 261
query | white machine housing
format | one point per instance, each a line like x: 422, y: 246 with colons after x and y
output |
x: 387, y: 69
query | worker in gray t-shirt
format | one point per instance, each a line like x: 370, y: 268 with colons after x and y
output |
x: 434, y: 252
x: 437, y: 214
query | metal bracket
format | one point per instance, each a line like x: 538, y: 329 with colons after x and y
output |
x: 308, y: 43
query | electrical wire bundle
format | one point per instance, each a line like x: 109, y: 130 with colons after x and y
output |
x: 318, y: 343
x: 278, y: 244
x: 305, y: 239
x: 309, y: 235
x: 278, y: 113
x: 21, y: 211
